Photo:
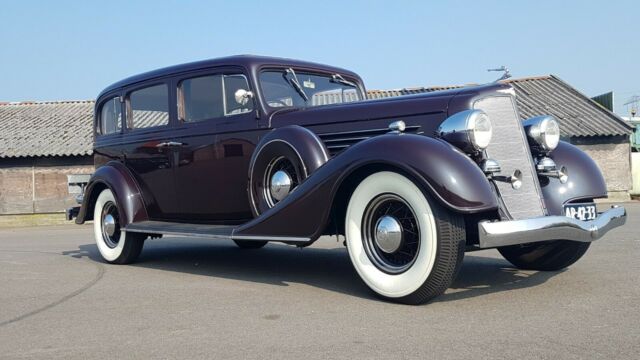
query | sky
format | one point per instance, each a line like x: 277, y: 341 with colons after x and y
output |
x: 71, y: 50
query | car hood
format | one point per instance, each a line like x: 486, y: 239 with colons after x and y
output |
x: 392, y: 108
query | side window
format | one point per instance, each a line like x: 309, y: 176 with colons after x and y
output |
x: 110, y: 117
x: 236, y: 97
x: 201, y: 98
x: 149, y: 107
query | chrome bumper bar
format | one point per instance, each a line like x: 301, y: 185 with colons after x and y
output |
x: 513, y: 232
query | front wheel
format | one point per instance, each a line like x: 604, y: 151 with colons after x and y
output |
x: 115, y: 246
x: 545, y: 256
x: 404, y: 246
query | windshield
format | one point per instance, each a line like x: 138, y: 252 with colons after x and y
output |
x: 287, y: 87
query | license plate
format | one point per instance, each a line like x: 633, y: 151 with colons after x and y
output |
x: 581, y: 211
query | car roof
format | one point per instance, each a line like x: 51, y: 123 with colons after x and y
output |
x: 250, y: 62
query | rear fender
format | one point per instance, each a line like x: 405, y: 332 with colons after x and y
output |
x: 448, y: 175
x: 115, y: 176
x: 585, y: 179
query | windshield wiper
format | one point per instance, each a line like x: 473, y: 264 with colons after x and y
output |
x: 293, y: 80
x: 337, y: 78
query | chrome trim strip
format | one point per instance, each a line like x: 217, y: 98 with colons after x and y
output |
x: 545, y: 228
x: 217, y: 236
x: 270, y: 238
x: 177, y: 233
x: 346, y: 139
x: 344, y: 146
x: 407, y: 128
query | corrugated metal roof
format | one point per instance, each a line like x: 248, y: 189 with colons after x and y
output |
x: 578, y: 114
x: 547, y: 95
x: 65, y: 128
x: 379, y: 94
x: 46, y: 129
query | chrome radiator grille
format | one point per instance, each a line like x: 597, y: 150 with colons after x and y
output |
x: 509, y: 147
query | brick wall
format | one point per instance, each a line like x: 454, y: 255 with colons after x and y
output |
x: 613, y: 156
x: 39, y: 185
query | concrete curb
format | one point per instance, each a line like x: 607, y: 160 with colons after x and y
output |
x: 29, y: 220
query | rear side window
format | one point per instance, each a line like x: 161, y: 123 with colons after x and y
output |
x: 214, y: 96
x: 149, y: 107
x: 110, y: 117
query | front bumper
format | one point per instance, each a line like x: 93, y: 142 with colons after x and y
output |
x: 513, y: 232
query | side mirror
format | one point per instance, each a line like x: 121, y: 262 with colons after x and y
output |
x: 242, y: 96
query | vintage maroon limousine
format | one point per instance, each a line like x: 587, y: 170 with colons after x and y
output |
x: 258, y: 149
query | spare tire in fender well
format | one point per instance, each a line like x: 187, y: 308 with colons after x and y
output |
x: 301, y: 146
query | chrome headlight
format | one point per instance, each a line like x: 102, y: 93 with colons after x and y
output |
x: 469, y: 130
x: 543, y: 132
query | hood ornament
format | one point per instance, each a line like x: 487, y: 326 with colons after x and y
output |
x: 505, y: 75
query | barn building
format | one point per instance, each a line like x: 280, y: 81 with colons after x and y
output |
x: 41, y: 143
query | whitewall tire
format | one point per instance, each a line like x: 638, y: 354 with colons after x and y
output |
x: 405, y: 247
x: 115, y: 246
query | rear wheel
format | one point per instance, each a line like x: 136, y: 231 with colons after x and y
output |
x: 115, y: 245
x: 546, y: 256
x: 404, y: 246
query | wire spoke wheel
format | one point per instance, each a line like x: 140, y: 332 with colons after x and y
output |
x: 405, y: 247
x: 390, y: 233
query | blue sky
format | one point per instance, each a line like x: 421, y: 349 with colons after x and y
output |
x: 62, y: 50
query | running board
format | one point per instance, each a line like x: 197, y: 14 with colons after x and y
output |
x: 220, y: 232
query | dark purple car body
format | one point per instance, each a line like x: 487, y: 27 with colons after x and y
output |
x: 207, y: 178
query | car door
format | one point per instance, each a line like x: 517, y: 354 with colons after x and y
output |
x: 149, y: 147
x: 219, y: 132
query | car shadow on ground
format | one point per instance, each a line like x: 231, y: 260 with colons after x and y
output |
x: 328, y: 269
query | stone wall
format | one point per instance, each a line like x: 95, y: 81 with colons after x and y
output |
x: 613, y: 156
x: 39, y: 185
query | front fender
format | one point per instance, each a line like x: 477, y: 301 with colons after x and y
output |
x: 585, y: 179
x: 115, y: 176
x: 448, y: 175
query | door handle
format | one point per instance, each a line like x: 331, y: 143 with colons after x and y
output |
x: 169, y: 144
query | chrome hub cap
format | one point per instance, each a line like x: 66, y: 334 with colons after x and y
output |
x: 280, y: 179
x: 388, y: 236
x: 109, y: 224
x: 390, y: 233
x: 280, y: 185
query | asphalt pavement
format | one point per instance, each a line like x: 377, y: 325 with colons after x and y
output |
x: 193, y: 298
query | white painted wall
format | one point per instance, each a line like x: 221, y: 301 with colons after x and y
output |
x: 635, y: 173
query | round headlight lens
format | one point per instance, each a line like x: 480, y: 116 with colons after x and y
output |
x: 468, y: 130
x: 481, y: 130
x: 543, y: 132
x: 549, y: 134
